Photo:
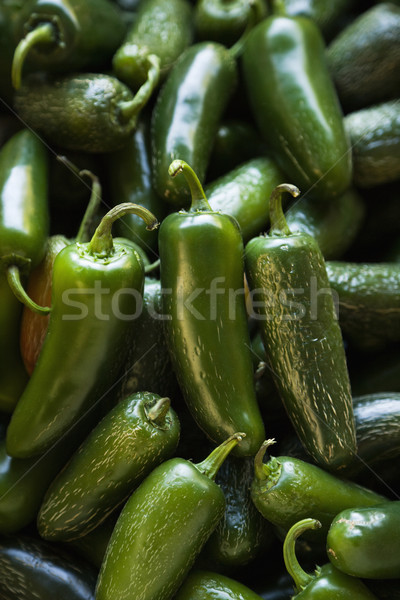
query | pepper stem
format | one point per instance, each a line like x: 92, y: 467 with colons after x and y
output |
x: 210, y: 465
x: 279, y: 225
x: 300, y: 577
x: 44, y: 33
x: 255, y: 15
x: 102, y: 241
x: 260, y: 468
x: 199, y: 200
x: 152, y: 266
x: 130, y: 110
x: 14, y: 281
x: 157, y: 413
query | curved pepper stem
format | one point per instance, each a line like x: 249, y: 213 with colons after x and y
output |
x: 260, y: 468
x: 211, y: 465
x: 157, y: 413
x: 130, y: 110
x: 254, y: 17
x: 279, y: 225
x: 14, y: 281
x: 300, y: 577
x: 43, y: 34
x: 102, y: 240
x: 199, y: 200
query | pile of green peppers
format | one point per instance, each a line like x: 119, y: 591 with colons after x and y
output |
x: 199, y: 299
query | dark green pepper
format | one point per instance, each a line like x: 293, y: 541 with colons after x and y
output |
x: 295, y: 104
x: 159, y: 34
x: 325, y: 14
x: 206, y: 585
x: 244, y: 194
x: 96, y: 289
x: 286, y: 490
x: 128, y: 173
x: 201, y: 254
x: 187, y: 113
x: 66, y: 35
x: 327, y: 583
x: 334, y: 223
x: 163, y: 527
x: 294, y: 306
x: 31, y: 568
x: 91, y: 112
x: 139, y: 433
x: 368, y: 297
x: 374, y: 134
x: 225, y: 22
x: 363, y: 542
x: 242, y: 534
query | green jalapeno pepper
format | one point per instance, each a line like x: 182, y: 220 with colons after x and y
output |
x: 302, y: 338
x: 325, y: 14
x: 295, y: 104
x: 244, y: 194
x: 128, y: 173
x: 66, y: 35
x: 206, y: 585
x: 91, y: 112
x: 32, y: 568
x: 207, y: 333
x: 187, y: 113
x: 363, y: 542
x: 242, y: 534
x: 163, y: 527
x: 160, y: 32
x: 139, y: 433
x: 225, y: 22
x: 327, y: 582
x: 368, y: 302
x: 277, y: 482
x: 96, y: 289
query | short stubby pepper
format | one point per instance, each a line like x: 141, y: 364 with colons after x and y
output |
x: 201, y: 255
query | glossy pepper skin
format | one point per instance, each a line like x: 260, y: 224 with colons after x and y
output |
x: 139, y: 433
x: 294, y: 306
x: 281, y: 479
x: 187, y: 113
x: 161, y: 30
x: 225, y: 22
x: 32, y: 568
x: 162, y: 528
x: 295, y: 104
x: 206, y: 585
x: 327, y: 583
x: 207, y: 333
x: 363, y: 542
x: 89, y: 312
x: 66, y: 35
x: 90, y: 112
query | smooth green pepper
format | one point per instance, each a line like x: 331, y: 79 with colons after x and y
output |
x: 206, y: 585
x: 295, y: 104
x: 66, y: 35
x: 294, y: 306
x: 159, y: 34
x: 327, y: 583
x: 128, y: 173
x: 90, y: 112
x: 363, y: 542
x: 187, y: 113
x: 162, y: 528
x: 201, y: 254
x: 286, y: 490
x: 139, y: 433
x: 96, y: 289
x: 244, y: 194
